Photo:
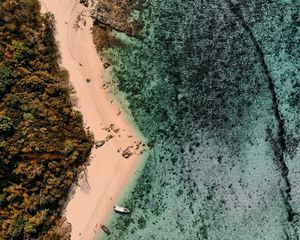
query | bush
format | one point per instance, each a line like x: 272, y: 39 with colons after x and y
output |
x: 5, y: 79
x: 21, y: 51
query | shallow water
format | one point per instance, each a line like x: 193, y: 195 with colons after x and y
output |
x: 215, y: 87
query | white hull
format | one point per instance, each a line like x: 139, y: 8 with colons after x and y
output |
x: 119, y: 209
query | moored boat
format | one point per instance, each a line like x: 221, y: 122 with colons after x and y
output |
x: 119, y: 209
x: 105, y: 229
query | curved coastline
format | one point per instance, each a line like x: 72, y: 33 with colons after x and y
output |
x: 109, y: 172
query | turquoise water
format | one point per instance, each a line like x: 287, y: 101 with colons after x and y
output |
x: 214, y: 86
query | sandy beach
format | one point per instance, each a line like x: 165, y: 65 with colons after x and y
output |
x: 109, y: 172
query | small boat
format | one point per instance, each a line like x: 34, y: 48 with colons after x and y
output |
x: 105, y: 229
x: 119, y: 209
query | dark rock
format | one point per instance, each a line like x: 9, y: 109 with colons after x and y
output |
x: 127, y: 153
x: 84, y: 3
x: 99, y: 143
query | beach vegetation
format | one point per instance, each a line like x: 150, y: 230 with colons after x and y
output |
x: 43, y: 145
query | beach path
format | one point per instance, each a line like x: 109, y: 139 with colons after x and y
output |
x: 108, y: 172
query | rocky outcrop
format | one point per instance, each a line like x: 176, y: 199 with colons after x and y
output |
x: 114, y: 14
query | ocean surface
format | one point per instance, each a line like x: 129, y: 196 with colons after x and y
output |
x: 215, y: 88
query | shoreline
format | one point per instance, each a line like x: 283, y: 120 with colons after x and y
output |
x: 124, y: 193
x: 108, y: 173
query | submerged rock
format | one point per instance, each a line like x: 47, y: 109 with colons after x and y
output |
x: 106, y: 65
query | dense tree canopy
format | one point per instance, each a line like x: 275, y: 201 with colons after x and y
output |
x: 43, y: 144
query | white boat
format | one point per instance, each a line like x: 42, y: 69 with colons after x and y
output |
x: 119, y: 209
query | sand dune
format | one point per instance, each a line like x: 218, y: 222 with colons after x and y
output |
x: 108, y: 172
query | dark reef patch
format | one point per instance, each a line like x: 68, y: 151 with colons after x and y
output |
x: 280, y: 141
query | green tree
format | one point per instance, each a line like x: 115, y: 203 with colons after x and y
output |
x: 16, y: 227
x: 6, y: 125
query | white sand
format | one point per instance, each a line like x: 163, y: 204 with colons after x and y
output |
x: 109, y: 173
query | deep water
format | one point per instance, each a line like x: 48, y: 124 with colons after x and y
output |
x: 215, y: 87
